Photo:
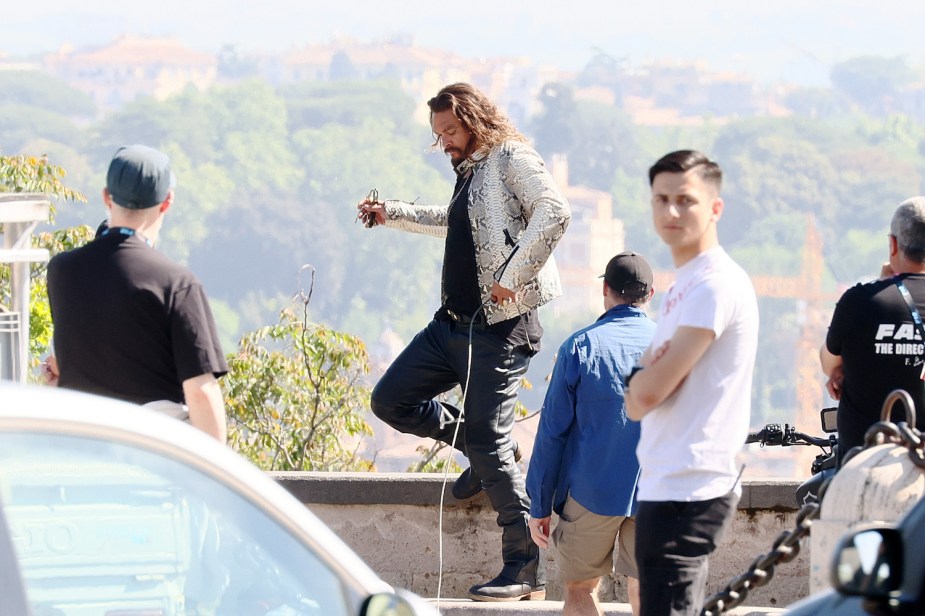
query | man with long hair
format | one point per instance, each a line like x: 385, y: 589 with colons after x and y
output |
x: 504, y: 219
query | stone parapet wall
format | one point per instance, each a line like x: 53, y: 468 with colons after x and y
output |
x: 391, y: 520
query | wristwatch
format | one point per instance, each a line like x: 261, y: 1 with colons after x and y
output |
x: 632, y: 373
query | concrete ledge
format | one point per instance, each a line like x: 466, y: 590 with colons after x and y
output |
x: 464, y: 607
x: 394, y: 522
x: 423, y: 489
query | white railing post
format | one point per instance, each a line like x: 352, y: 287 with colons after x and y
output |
x: 20, y: 214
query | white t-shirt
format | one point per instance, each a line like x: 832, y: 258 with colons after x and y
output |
x: 689, y: 442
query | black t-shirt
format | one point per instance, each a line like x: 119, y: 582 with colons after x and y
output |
x: 873, y: 332
x: 460, y: 276
x: 129, y: 322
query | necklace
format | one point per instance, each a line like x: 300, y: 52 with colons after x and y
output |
x: 465, y: 186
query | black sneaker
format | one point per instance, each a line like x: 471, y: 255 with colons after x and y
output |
x: 505, y: 589
x: 468, y: 486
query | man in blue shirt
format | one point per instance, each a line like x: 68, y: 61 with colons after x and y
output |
x: 584, y: 463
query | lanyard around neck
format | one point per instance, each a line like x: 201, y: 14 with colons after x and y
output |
x: 126, y: 232
x: 916, y: 317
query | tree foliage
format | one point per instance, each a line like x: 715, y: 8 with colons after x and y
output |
x: 348, y: 103
x: 554, y: 128
x: 872, y: 81
x: 295, y: 397
x: 21, y: 123
x: 34, y: 105
x: 35, y: 174
x: 38, y: 90
x: 598, y: 139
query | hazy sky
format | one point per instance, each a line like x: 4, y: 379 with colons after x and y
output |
x: 791, y: 40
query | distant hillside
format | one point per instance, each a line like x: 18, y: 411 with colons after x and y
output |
x: 787, y: 40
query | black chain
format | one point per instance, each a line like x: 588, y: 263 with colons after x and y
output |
x: 901, y: 434
x: 787, y: 545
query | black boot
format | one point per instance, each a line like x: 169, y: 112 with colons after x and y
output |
x: 523, y: 577
x: 469, y: 486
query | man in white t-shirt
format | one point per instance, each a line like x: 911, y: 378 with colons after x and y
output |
x: 691, y: 391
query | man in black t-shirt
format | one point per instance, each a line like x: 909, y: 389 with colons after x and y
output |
x: 501, y: 226
x: 873, y: 345
x: 129, y: 322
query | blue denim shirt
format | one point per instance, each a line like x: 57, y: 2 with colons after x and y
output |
x: 585, y: 444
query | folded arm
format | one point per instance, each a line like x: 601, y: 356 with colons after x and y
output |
x: 665, y: 369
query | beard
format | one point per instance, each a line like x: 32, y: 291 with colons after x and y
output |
x: 456, y: 156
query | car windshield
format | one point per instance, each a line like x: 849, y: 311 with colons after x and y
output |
x: 112, y: 529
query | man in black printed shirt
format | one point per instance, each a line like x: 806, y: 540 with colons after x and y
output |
x: 873, y: 345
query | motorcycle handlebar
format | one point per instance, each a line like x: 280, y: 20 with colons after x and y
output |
x: 813, y: 440
x: 774, y: 434
x: 753, y: 437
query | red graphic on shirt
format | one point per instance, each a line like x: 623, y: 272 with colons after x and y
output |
x: 673, y: 298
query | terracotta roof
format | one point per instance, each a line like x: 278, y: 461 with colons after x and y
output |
x: 138, y: 51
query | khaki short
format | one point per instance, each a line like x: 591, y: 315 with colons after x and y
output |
x: 585, y: 543
x: 172, y: 409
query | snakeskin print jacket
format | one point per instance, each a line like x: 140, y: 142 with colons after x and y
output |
x: 513, y: 199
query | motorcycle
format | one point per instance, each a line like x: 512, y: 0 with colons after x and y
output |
x: 822, y: 467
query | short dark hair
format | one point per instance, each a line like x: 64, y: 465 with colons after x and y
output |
x: 633, y: 299
x: 683, y: 161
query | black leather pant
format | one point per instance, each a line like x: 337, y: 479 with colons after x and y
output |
x: 435, y: 361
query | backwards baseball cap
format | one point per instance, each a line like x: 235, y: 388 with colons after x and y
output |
x: 139, y: 177
x: 629, y: 273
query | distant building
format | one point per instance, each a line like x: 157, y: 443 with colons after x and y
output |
x: 131, y: 67
x: 511, y: 82
x: 660, y: 93
x: 675, y: 94
x: 517, y: 85
x: 396, y: 58
x: 420, y: 71
x: 593, y: 237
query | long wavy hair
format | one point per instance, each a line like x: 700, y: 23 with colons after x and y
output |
x: 478, y: 115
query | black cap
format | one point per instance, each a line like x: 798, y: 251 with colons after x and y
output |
x: 139, y: 177
x: 629, y: 273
